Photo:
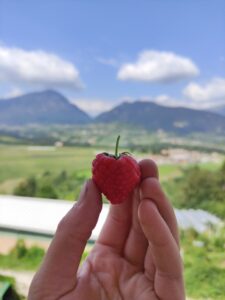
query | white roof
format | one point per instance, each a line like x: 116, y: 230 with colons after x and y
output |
x: 41, y: 216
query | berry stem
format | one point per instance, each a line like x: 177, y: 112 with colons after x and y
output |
x: 117, y: 146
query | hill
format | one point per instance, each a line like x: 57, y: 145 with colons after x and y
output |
x: 51, y: 108
x: 154, y: 117
x: 47, y: 107
x: 219, y: 109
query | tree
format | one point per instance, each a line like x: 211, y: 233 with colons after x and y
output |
x: 26, y: 188
x: 204, y: 189
x: 46, y: 190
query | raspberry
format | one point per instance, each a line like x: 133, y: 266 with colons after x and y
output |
x: 115, y: 175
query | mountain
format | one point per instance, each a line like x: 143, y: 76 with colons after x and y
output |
x: 50, y: 107
x: 47, y: 107
x: 170, y: 119
x: 219, y: 109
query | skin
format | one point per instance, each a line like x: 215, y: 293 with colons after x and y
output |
x: 135, y: 257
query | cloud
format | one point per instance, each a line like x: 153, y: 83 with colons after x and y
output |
x: 163, y: 99
x: 213, y: 92
x: 37, y: 68
x: 14, y: 92
x: 107, y: 61
x: 161, y: 67
x: 94, y: 106
x: 166, y: 100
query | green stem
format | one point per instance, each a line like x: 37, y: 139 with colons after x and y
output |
x: 117, y: 146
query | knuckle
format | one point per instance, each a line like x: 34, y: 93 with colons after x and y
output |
x: 62, y: 225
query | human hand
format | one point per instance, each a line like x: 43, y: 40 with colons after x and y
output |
x: 135, y: 257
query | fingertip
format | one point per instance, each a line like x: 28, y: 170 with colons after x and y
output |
x: 148, y: 169
x: 92, y: 186
x: 150, y: 188
x: 90, y: 195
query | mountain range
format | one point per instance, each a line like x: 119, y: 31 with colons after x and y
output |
x: 153, y: 117
x: 50, y: 107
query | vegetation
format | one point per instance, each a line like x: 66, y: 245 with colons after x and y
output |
x: 21, y: 167
x: 135, y: 138
x: 52, y: 186
x: 204, y: 263
x: 22, y: 257
x: 11, y: 292
x: 199, y: 188
x: 19, y: 162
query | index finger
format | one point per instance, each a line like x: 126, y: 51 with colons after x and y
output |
x: 62, y: 259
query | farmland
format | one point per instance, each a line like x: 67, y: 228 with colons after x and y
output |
x: 20, y: 162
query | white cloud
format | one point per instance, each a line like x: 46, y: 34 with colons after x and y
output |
x: 156, y: 66
x: 94, y: 106
x: 14, y: 92
x: 211, y: 93
x: 166, y: 100
x: 37, y: 68
x: 107, y: 61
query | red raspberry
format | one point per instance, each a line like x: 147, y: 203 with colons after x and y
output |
x: 115, y: 175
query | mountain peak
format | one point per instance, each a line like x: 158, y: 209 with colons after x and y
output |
x: 50, y: 92
x: 153, y: 117
x: 43, y: 96
x: 45, y: 107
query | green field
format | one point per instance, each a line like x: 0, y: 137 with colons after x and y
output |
x: 20, y: 162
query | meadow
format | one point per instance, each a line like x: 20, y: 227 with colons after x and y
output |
x: 18, y: 162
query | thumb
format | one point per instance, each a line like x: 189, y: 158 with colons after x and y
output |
x: 64, y: 254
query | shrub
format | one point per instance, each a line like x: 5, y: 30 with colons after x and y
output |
x: 26, y: 188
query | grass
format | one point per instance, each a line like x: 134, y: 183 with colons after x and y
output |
x: 19, y: 162
x: 22, y: 257
x: 204, y: 268
x: 169, y: 171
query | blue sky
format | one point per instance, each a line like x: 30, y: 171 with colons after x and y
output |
x: 100, y: 53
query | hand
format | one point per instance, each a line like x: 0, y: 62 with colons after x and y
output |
x: 136, y: 256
